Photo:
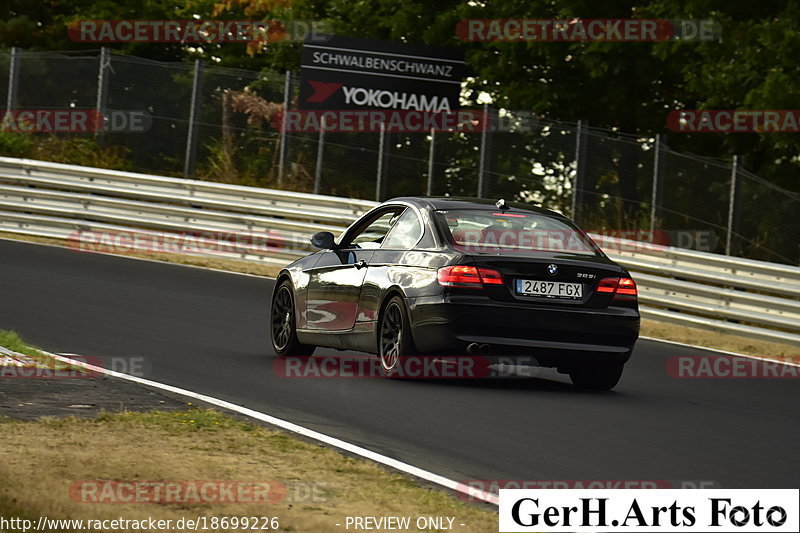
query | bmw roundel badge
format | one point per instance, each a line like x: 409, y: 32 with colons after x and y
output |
x: 552, y: 269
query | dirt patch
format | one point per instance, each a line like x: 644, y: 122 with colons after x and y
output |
x: 23, y: 398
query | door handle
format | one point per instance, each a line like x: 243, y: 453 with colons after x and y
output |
x: 360, y: 264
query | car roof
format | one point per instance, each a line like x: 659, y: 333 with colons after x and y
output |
x: 446, y: 203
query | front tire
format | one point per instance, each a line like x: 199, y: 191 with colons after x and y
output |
x: 597, y: 376
x: 283, y: 324
x: 394, y: 337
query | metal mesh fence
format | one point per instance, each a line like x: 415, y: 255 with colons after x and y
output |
x: 57, y: 81
x: 301, y: 149
x: 5, y: 63
x: 406, y: 164
x: 235, y: 138
x: 616, y: 188
x: 164, y: 91
x: 455, y: 164
x: 766, y: 224
x: 695, y: 201
x: 225, y: 145
x: 349, y: 164
x: 532, y: 166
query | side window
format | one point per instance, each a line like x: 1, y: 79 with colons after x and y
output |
x: 374, y: 233
x: 405, y: 233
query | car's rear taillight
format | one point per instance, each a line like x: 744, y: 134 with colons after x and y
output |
x: 490, y: 276
x: 621, y: 288
x: 468, y: 276
x: 626, y: 290
x: 608, y: 285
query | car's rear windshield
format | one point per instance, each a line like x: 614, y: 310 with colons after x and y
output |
x: 491, y: 231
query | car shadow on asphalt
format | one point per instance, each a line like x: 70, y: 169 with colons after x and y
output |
x: 527, y: 384
x: 443, y: 373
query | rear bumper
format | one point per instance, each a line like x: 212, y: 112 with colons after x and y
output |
x: 554, y: 335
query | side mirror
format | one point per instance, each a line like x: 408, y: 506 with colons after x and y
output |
x: 323, y: 240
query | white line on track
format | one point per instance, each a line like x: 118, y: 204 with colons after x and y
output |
x: 295, y: 428
x: 760, y: 358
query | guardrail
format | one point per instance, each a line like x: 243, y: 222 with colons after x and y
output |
x: 146, y: 213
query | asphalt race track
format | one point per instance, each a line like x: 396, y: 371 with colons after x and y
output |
x: 208, y: 332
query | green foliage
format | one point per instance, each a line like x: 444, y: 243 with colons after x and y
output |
x: 12, y: 341
x: 16, y: 144
x: 235, y: 162
x: 73, y: 150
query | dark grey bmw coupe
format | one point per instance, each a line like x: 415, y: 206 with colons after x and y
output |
x: 459, y: 276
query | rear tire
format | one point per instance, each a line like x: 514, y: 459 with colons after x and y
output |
x: 597, y: 376
x: 283, y: 324
x: 394, y: 337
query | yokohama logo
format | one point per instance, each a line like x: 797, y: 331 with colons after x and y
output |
x: 378, y: 98
x: 394, y: 100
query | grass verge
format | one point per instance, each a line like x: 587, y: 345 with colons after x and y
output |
x: 11, y: 341
x: 650, y: 328
x: 322, y: 486
x: 720, y: 341
x: 33, y: 357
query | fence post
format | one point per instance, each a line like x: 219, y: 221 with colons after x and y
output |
x: 287, y: 100
x: 485, y: 153
x: 580, y: 168
x: 431, y: 152
x: 191, y: 135
x: 379, y: 172
x: 732, y: 204
x: 655, y: 198
x: 320, y: 153
x: 102, y: 88
x: 13, y: 78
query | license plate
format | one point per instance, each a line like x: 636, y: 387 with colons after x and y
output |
x: 553, y: 289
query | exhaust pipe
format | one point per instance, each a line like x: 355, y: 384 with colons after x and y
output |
x: 474, y: 348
